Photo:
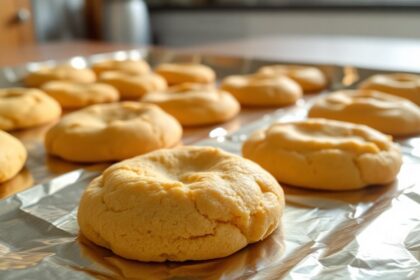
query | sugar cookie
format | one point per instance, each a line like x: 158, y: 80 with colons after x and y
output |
x: 23, y: 108
x: 325, y: 154
x: 195, y: 106
x: 386, y: 113
x: 133, y: 86
x: 262, y: 90
x: 177, y: 73
x: 188, y: 203
x: 115, y: 131
x: 59, y: 73
x: 73, y: 95
x: 128, y: 66
x: 402, y: 85
x: 12, y: 156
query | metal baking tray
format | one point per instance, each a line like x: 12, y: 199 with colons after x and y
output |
x: 367, y: 234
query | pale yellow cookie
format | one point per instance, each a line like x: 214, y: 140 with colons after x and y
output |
x: 188, y: 203
x: 109, y: 132
x: 178, y: 73
x: 59, y: 73
x: 309, y: 78
x: 325, y: 154
x: 24, y: 108
x: 128, y: 66
x: 73, y: 95
x: 262, y: 90
x: 195, y: 106
x: 133, y: 86
x: 402, y: 85
x: 12, y: 156
x: 386, y: 113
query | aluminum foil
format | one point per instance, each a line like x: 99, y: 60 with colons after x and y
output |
x: 368, y: 234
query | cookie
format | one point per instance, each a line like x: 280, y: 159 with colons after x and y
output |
x: 188, y: 203
x: 24, y: 108
x: 59, y: 73
x: 73, y: 95
x: 402, y: 85
x: 110, y: 132
x: 262, y: 90
x: 309, y: 78
x: 386, y: 113
x: 127, y: 66
x: 12, y: 156
x: 178, y: 73
x: 133, y: 86
x: 195, y: 106
x: 325, y: 154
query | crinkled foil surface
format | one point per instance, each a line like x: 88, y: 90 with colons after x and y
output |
x: 368, y: 234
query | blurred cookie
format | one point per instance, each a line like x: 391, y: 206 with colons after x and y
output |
x: 59, y: 73
x: 128, y: 66
x: 188, y: 203
x: 325, y: 154
x: 12, y: 156
x: 386, y: 113
x: 178, y: 73
x: 23, y: 108
x: 73, y: 95
x: 109, y: 132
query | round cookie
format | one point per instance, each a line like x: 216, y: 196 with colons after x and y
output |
x: 128, y: 66
x: 133, y: 86
x: 59, y: 73
x: 325, y: 154
x: 309, y: 78
x: 12, y: 156
x: 73, y: 95
x: 195, y: 106
x: 178, y: 73
x: 402, y: 85
x: 262, y: 90
x: 24, y: 108
x: 109, y: 132
x: 386, y: 113
x: 187, y: 203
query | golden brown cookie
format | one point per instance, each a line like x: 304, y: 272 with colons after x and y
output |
x: 128, y: 66
x: 23, y: 108
x: 12, y: 156
x: 73, y: 95
x: 262, y: 90
x: 386, y: 113
x: 59, y: 73
x: 188, y: 203
x: 109, y: 132
x: 178, y: 73
x: 309, y: 78
x: 325, y: 154
x: 402, y: 85
x: 133, y: 86
x: 195, y: 106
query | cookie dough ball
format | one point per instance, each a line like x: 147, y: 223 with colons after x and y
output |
x: 12, y: 156
x: 386, y: 113
x: 133, y: 86
x: 309, y: 78
x: 262, y: 90
x: 403, y: 85
x: 73, y: 95
x: 178, y: 73
x: 325, y: 154
x: 24, y: 108
x: 127, y: 66
x: 196, y: 106
x: 59, y: 73
x: 188, y: 203
x: 109, y: 132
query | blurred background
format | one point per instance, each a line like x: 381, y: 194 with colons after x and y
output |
x: 177, y: 23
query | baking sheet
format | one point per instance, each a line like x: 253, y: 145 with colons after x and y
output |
x: 368, y: 234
